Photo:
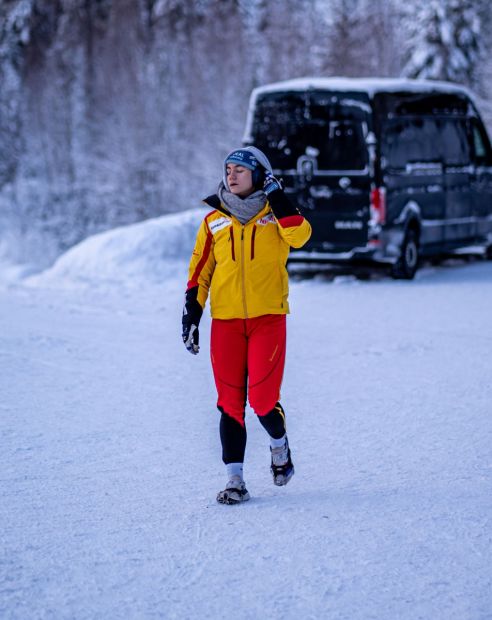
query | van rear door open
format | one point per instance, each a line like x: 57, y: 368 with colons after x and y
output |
x: 316, y: 141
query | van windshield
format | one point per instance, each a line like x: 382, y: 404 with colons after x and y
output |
x: 329, y: 127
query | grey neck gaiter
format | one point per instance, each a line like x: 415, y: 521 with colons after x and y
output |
x: 243, y: 209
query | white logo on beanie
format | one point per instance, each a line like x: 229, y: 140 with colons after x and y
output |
x: 243, y: 157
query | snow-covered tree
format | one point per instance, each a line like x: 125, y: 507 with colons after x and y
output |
x: 444, y: 40
x: 344, y: 48
x: 287, y: 40
x: 379, y: 38
x: 14, y: 37
x: 360, y: 38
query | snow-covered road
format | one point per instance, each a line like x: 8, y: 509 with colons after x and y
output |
x: 110, y: 458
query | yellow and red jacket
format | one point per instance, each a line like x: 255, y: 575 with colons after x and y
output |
x: 244, y: 265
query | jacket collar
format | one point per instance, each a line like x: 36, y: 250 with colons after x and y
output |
x: 214, y: 202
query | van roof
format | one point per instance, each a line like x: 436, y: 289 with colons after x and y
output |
x: 371, y: 86
x: 367, y: 85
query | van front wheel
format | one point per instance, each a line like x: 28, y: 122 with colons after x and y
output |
x: 408, y: 262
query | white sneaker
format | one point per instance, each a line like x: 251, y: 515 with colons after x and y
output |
x: 234, y: 493
x: 282, y: 467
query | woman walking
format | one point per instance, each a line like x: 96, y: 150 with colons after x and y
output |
x: 240, y: 255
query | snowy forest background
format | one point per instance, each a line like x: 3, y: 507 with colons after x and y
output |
x: 114, y: 111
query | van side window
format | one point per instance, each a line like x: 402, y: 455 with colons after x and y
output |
x: 426, y: 139
x: 411, y: 139
x: 455, y: 148
x: 480, y: 144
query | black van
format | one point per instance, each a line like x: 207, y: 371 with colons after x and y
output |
x: 386, y: 170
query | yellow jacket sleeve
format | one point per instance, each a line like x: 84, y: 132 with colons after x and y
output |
x: 294, y: 229
x: 202, y: 263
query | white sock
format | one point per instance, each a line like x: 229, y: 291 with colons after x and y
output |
x: 235, y: 469
x: 278, y: 443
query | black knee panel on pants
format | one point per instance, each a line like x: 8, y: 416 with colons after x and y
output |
x: 274, y: 422
x: 233, y: 439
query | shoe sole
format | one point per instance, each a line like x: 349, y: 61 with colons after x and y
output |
x: 281, y: 481
x: 224, y: 497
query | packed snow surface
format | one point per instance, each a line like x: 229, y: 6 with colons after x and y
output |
x: 110, y: 453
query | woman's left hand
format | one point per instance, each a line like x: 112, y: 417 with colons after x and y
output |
x: 190, y: 338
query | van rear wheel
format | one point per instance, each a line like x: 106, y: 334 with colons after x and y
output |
x: 408, y: 262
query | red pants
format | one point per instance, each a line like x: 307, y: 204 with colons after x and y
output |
x: 248, y: 354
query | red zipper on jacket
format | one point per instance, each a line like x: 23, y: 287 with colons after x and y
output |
x: 231, y: 237
x: 253, y: 242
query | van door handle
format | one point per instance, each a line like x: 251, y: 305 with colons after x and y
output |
x: 344, y: 182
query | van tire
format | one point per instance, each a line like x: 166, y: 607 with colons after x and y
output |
x: 408, y: 263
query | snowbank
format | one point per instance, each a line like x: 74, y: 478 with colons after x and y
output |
x: 136, y: 255
x: 11, y: 273
x: 10, y: 270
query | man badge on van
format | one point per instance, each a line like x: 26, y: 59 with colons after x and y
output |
x: 348, y: 225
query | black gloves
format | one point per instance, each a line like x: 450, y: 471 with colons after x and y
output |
x: 279, y: 203
x: 192, y: 313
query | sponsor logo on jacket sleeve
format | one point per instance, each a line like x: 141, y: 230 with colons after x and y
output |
x: 219, y: 224
x: 266, y: 219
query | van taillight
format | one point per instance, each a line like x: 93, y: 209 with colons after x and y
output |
x: 378, y: 205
